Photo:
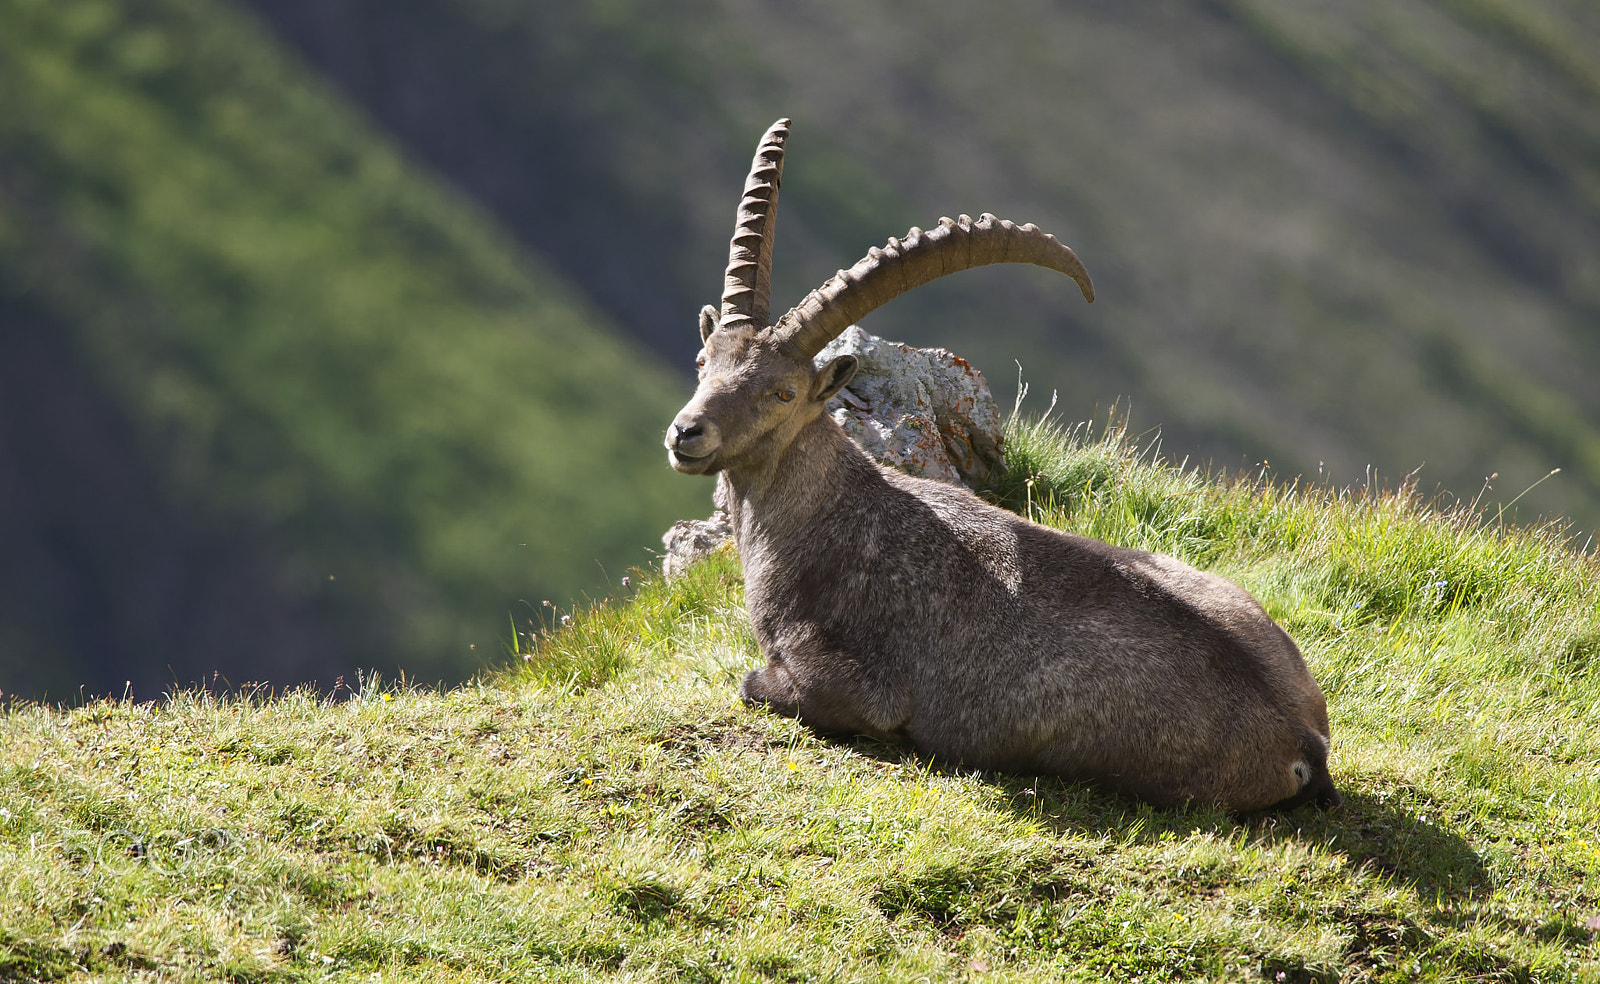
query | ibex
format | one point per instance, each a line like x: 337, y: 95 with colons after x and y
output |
x: 909, y: 609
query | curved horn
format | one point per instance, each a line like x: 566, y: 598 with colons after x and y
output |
x: 748, y: 281
x: 901, y: 265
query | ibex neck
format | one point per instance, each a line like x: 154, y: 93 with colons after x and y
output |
x: 810, y: 479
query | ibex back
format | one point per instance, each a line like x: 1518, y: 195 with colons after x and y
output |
x: 904, y: 608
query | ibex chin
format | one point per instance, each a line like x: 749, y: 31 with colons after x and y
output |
x: 903, y: 608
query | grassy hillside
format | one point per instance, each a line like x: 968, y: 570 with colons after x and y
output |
x: 1332, y: 237
x: 605, y: 810
x: 276, y: 403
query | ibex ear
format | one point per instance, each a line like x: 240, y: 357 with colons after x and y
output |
x: 833, y: 377
x: 708, y: 322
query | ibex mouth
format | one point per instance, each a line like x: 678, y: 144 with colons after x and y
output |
x: 689, y: 464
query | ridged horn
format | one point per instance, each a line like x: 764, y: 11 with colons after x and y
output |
x: 748, y: 281
x: 904, y: 264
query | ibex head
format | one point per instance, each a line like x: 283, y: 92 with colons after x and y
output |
x: 758, y: 386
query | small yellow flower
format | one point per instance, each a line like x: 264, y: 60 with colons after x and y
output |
x: 387, y: 698
x: 794, y: 766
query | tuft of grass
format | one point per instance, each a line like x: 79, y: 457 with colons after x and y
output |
x: 697, y: 621
x: 604, y: 809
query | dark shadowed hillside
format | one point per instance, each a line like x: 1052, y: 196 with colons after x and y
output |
x: 1333, y: 237
x: 273, y: 404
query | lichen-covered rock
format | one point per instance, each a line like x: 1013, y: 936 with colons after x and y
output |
x: 690, y: 540
x: 925, y: 411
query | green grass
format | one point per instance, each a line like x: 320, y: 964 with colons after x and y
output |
x: 604, y: 809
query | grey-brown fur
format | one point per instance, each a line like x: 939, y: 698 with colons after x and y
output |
x: 899, y: 607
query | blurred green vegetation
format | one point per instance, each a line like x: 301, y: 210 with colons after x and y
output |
x: 1334, y: 237
x: 316, y: 343
x: 370, y: 298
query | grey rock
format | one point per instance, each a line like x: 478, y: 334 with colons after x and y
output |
x: 925, y: 411
x: 690, y: 540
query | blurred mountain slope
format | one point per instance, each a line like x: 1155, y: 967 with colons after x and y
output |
x: 271, y: 402
x: 1349, y: 238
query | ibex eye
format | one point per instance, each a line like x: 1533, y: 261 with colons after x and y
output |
x: 700, y: 363
x: 784, y: 396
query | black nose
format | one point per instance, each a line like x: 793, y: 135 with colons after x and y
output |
x: 681, y: 434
